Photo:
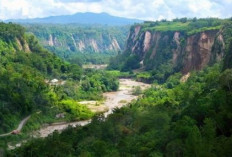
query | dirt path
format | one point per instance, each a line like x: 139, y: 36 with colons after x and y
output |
x: 113, y: 99
x: 20, y: 126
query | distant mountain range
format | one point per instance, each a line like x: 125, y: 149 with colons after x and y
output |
x: 80, y: 18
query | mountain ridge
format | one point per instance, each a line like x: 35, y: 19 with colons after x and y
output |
x: 80, y: 18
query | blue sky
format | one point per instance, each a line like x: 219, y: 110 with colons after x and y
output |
x: 141, y: 9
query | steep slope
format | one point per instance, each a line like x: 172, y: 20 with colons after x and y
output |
x: 81, y: 18
x: 178, y: 46
x: 68, y: 41
x: 194, y: 52
x: 27, y: 84
x: 228, y: 45
x: 24, y: 66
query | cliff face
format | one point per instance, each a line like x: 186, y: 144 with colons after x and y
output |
x: 84, y: 44
x: 185, y: 53
x: 198, y: 50
x: 22, y: 45
x: 67, y: 40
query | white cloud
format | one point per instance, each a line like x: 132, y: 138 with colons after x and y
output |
x: 142, y: 9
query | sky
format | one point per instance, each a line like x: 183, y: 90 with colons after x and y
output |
x: 140, y: 9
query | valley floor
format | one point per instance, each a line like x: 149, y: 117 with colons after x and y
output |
x: 112, y: 100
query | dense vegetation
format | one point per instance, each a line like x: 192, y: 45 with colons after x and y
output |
x: 26, y: 70
x: 190, y: 26
x: 174, y: 119
x: 73, y: 42
x: 124, y: 62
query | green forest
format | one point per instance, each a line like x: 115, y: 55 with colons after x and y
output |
x: 66, y: 39
x: 173, y: 118
x: 187, y: 119
x: 24, y: 68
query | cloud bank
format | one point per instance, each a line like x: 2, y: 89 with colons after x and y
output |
x: 141, y: 9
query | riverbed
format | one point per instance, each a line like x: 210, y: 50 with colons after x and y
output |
x: 112, y: 100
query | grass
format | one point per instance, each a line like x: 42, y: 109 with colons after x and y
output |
x: 123, y: 101
x: 169, y: 26
x: 119, y: 74
x: 194, y: 31
x: 178, y: 26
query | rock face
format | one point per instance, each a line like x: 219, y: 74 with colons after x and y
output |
x: 84, y: 44
x: 69, y: 40
x: 22, y: 45
x: 198, y: 50
x: 185, y: 53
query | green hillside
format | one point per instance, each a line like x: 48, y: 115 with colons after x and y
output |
x: 26, y: 71
x: 81, y: 43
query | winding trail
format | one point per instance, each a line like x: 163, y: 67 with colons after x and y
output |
x: 20, y: 126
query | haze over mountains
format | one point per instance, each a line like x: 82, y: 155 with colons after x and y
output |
x: 81, y: 18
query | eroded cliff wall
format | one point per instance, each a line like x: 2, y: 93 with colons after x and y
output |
x: 183, y: 52
x: 71, y: 39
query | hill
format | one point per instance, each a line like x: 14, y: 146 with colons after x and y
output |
x: 26, y: 86
x: 81, y: 43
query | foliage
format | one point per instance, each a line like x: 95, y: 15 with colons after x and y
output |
x: 186, y: 119
x: 78, y: 111
x: 227, y: 33
x: 192, y: 118
x: 190, y: 26
x: 10, y: 31
x: 137, y: 90
x: 124, y: 62
x: 119, y: 74
x: 67, y: 37
x: 25, y: 71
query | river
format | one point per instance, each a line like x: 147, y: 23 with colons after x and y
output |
x: 113, y: 99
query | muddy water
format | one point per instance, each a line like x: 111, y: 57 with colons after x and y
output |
x: 113, y: 100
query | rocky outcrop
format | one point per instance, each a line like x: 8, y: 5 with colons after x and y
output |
x: 50, y: 40
x: 198, y: 50
x: 81, y: 46
x: 84, y: 44
x: 114, y: 46
x: 185, y: 53
x: 22, y: 45
x: 94, y: 45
